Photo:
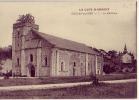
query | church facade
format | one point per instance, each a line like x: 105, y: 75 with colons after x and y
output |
x: 36, y: 54
x: 126, y: 58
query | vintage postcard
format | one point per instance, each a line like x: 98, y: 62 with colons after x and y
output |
x: 68, y: 49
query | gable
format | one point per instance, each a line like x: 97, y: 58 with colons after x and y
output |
x: 126, y: 58
x: 31, y: 36
x: 33, y: 40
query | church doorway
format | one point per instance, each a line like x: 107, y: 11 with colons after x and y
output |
x: 74, y: 68
x: 32, y: 71
x: 73, y: 71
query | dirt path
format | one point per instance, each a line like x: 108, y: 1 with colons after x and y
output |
x: 120, y: 81
x: 61, y: 85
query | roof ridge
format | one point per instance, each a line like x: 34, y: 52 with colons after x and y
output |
x: 65, y: 43
x: 60, y: 38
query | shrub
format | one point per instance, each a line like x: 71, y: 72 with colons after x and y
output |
x: 106, y: 69
x: 10, y: 73
x: 94, y: 79
x: 6, y: 76
x: 109, y: 69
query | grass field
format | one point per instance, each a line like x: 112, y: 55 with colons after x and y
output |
x: 117, y: 76
x: 121, y: 90
x: 54, y: 80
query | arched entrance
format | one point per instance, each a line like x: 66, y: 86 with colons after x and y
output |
x: 73, y: 71
x: 32, y: 71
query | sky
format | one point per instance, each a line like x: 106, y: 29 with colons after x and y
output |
x: 99, y: 30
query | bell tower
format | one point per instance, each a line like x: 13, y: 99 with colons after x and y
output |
x: 24, y: 24
x: 125, y: 49
x: 21, y: 28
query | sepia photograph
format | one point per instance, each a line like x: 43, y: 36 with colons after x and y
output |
x: 68, y: 49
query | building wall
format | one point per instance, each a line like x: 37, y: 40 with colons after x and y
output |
x: 60, y: 62
x: 91, y: 64
x: 16, y: 56
x: 126, y: 58
x: 99, y: 67
x: 20, y: 31
x: 16, y: 52
x: 74, y: 63
x: 30, y: 47
x: 54, y: 59
x: 29, y: 52
x: 71, y: 63
x: 46, y: 53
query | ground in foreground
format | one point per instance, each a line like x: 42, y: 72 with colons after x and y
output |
x: 120, y: 90
x: 55, y: 80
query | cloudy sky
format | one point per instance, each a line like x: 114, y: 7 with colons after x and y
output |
x: 103, y: 31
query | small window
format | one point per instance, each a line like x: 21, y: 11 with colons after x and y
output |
x: 18, y: 34
x: 74, y: 64
x: 81, y: 64
x: 45, y: 61
x: 88, y: 66
x: 98, y: 72
x: 18, y: 61
x: 62, y: 66
x: 18, y: 44
x: 27, y: 38
x: 31, y: 58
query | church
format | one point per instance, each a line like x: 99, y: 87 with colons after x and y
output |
x: 36, y: 54
x: 126, y: 58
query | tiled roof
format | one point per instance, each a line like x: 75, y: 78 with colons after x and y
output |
x: 66, y: 44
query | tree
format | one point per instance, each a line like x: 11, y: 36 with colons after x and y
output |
x: 106, y: 69
x: 115, y: 60
x: 6, y: 52
x: 112, y: 53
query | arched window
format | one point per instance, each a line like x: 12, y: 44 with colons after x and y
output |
x: 18, y: 61
x: 81, y: 64
x: 62, y: 66
x: 98, y: 71
x: 18, y: 44
x: 31, y: 58
x: 74, y: 64
x: 18, y: 34
x: 88, y: 66
x: 45, y: 61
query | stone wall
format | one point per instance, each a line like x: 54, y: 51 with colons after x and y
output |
x: 31, y: 45
x: 99, y: 67
x: 91, y: 64
x: 40, y: 53
x: 45, y: 59
x: 16, y: 63
x: 49, y: 60
x: 19, y: 44
x: 71, y: 63
x: 16, y: 52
